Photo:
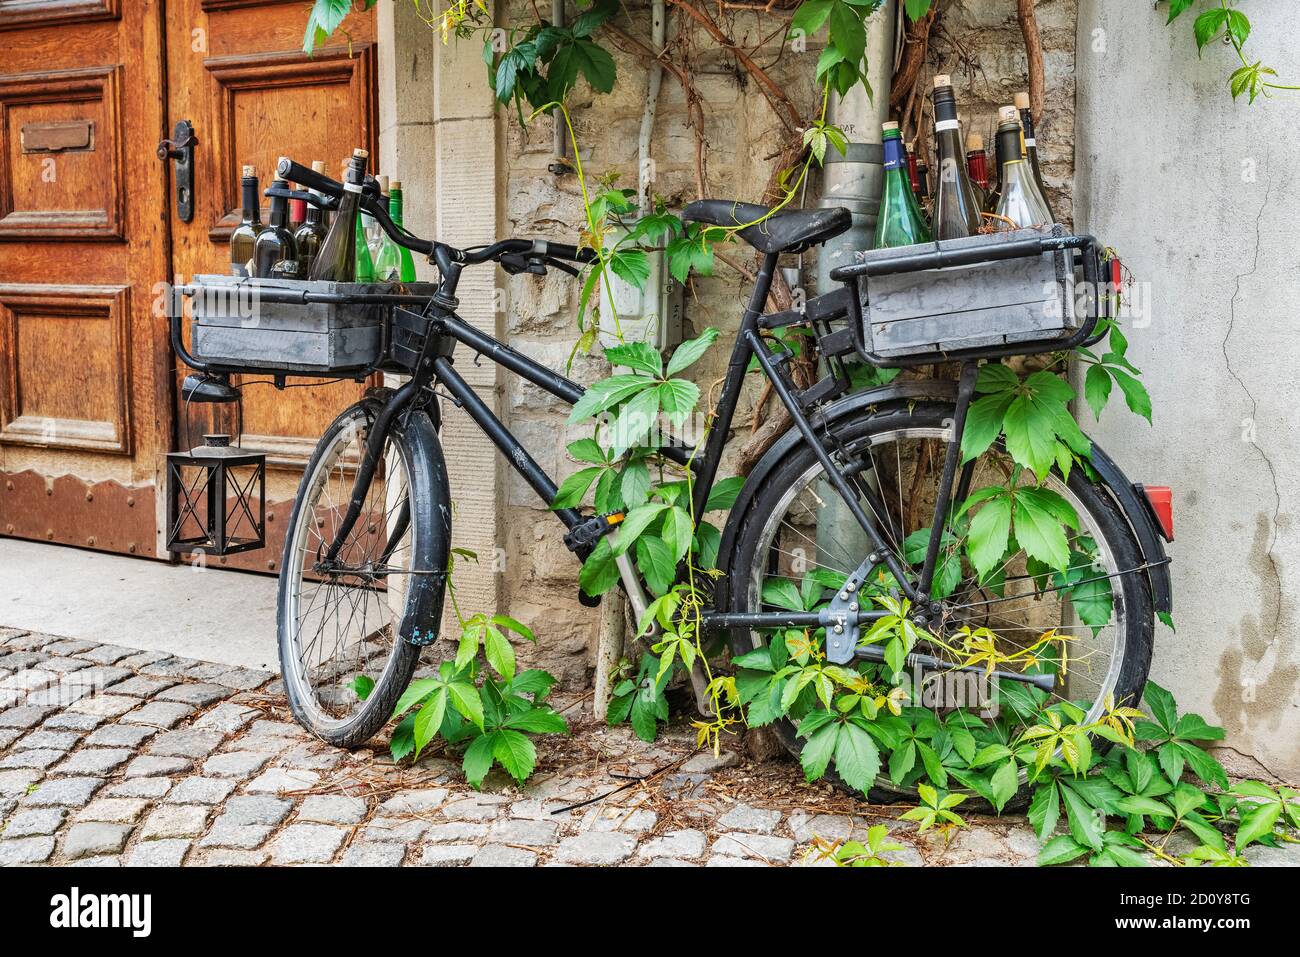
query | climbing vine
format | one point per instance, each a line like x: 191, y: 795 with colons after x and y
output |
x: 1221, y: 20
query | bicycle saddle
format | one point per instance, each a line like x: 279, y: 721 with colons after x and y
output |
x: 786, y: 232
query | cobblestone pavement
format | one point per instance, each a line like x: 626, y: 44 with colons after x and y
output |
x: 110, y: 756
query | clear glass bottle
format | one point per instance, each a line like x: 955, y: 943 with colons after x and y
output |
x: 1019, y: 201
x: 1030, y: 149
x: 394, y: 263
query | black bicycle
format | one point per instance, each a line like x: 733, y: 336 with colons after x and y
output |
x: 860, y: 490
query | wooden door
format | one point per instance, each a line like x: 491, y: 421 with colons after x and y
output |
x: 236, y: 70
x: 85, y: 378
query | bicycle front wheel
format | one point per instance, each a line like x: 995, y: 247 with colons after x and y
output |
x: 1090, y: 624
x: 345, y: 625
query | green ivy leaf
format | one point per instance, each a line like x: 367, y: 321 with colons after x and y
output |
x: 636, y: 355
x: 429, y: 720
x: 690, y: 351
x: 857, y: 759
x: 574, y: 488
x: 677, y: 397
x: 816, y: 754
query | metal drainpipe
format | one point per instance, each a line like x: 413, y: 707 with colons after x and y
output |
x: 560, y: 136
x: 854, y: 180
x: 658, y: 36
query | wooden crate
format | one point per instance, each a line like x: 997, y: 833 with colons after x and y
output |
x: 976, y: 306
x: 234, y: 325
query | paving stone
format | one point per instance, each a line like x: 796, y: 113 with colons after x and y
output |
x: 68, y: 646
x: 670, y: 862
x: 724, y: 860
x: 141, y: 659
x: 415, y: 801
x: 454, y: 831
x: 30, y: 679
x: 95, y: 761
x: 73, y: 721
x: 168, y: 853
x: 64, y: 666
x: 621, y: 819
x: 151, y: 766
x: 140, y: 788
x: 15, y: 784
x: 61, y: 695
x: 231, y: 858
x: 447, y: 855
x: 240, y: 836
x: 64, y: 792
x: 226, y: 717
x: 538, y: 810
x: 100, y: 677
x: 24, y: 717
x: 596, y: 847
x: 281, y: 780
x: 746, y: 817
x: 332, y: 809
x: 35, y: 823
x: 206, y: 671
x: 8, y: 736
x: 1023, y: 842
x: 480, y: 807
x: 26, y: 850
x: 21, y: 660
x: 373, y: 854
x: 201, y: 791
x: 762, y: 846
x: 235, y: 764
x: 113, y: 810
x: 265, y: 744
x: 85, y: 840
x: 1288, y: 855
x: 143, y: 686
x: 10, y: 697
x: 307, y: 844
x: 199, y: 695
x: 499, y: 855
x: 186, y: 744
x: 120, y: 736
x: 832, y: 827
x: 242, y: 679
x: 106, y: 705
x: 706, y: 763
x: 175, y: 820
x: 107, y: 654
x: 975, y: 842
x: 170, y: 667
x: 311, y: 757
x: 531, y: 833
x: 404, y: 832
x: 255, y: 809
x: 160, y: 714
x: 282, y: 729
x: 684, y: 843
x: 57, y: 740
x: 99, y: 860
x: 39, y: 758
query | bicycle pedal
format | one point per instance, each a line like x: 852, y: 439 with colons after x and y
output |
x: 582, y: 538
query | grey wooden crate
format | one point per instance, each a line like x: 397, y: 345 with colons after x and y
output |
x: 235, y: 326
x: 966, y: 307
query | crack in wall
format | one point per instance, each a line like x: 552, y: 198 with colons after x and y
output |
x: 1254, y: 403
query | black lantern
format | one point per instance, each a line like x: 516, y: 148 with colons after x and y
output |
x: 217, y: 499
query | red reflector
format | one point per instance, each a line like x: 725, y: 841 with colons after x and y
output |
x: 1162, y: 504
x: 1116, y: 273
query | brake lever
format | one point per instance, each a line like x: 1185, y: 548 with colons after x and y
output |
x: 515, y: 263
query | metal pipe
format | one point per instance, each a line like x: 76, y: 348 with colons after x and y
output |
x: 559, y: 137
x: 658, y: 35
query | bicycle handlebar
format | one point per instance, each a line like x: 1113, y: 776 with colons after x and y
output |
x: 443, y: 255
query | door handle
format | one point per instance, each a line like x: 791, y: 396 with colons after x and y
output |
x: 180, y: 150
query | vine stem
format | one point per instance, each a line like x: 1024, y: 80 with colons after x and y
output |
x: 1241, y: 55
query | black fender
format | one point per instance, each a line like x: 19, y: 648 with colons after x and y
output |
x: 919, y: 390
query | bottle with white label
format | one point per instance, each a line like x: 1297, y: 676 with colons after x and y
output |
x: 956, y: 207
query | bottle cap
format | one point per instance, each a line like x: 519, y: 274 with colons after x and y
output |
x: 383, y: 184
x: 911, y: 147
x: 974, y: 143
x: 249, y: 172
x: 395, y: 184
x: 1008, y: 114
x: 890, y: 127
x: 1022, y: 101
x: 318, y: 166
x: 361, y: 154
x: 942, y: 80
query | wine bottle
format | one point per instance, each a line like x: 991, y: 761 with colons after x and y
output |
x: 274, y: 255
x: 375, y: 234
x: 307, y: 239
x: 337, y: 260
x: 297, y: 211
x: 913, y: 170
x: 977, y: 161
x: 1031, y: 149
x: 956, y: 207
x: 394, y: 262
x: 1019, y: 200
x: 901, y: 222
x: 250, y: 224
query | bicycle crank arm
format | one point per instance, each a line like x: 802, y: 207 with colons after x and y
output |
x: 928, y: 663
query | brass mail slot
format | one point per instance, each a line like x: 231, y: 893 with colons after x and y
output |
x: 58, y: 136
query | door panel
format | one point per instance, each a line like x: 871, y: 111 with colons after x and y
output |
x: 85, y: 381
x: 239, y: 75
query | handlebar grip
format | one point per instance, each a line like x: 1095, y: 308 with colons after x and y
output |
x: 569, y: 252
x: 304, y: 176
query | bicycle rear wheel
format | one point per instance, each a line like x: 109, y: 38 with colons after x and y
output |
x: 797, y: 540
x: 345, y: 627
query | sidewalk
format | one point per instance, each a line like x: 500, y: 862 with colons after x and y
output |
x: 179, y: 761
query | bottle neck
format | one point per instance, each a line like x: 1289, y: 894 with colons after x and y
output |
x: 252, y: 211
x: 895, y: 157
x: 313, y: 214
x: 395, y: 206
x: 1008, y: 146
x: 279, y: 211
x: 1027, y: 122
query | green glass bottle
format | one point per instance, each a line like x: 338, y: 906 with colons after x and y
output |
x: 365, y: 265
x: 901, y: 222
x: 394, y: 262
